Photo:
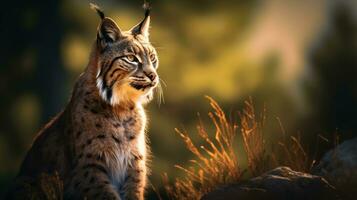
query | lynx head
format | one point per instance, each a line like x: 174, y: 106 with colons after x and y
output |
x: 127, y: 62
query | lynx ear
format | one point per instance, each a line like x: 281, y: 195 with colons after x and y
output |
x: 108, y: 31
x: 143, y: 27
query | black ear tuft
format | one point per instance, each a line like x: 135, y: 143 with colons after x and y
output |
x: 97, y: 9
x: 143, y: 27
x: 108, y: 31
x: 147, y: 8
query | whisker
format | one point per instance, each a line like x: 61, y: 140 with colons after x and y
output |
x: 159, y: 94
x: 161, y: 80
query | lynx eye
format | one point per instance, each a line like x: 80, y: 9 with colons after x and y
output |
x: 152, y: 57
x: 131, y: 59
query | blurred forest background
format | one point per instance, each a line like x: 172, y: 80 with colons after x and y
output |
x: 298, y: 58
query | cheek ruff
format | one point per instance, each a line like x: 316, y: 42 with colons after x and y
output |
x: 106, y: 92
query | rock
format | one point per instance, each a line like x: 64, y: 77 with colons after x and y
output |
x: 278, y: 184
x: 339, y: 167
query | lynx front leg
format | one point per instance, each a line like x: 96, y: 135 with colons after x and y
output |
x: 90, y: 177
x: 91, y: 182
x: 135, y: 183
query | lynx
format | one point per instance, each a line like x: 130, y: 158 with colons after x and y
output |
x: 97, y: 144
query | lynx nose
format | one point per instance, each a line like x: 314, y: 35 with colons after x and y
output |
x: 150, y: 75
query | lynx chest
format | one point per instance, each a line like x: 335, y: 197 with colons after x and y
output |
x: 128, y: 143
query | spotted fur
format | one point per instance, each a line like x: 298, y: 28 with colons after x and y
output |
x: 98, y: 143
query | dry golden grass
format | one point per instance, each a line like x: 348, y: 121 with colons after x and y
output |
x: 291, y: 153
x: 286, y: 150
x: 251, y: 128
x: 216, y: 163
